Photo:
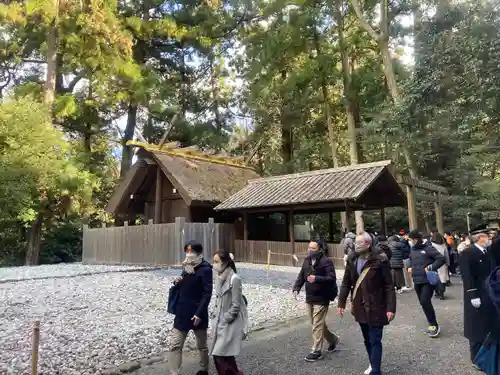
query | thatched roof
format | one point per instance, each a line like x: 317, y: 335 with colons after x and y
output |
x: 199, y: 177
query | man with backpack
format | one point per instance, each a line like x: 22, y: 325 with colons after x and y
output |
x: 318, y: 274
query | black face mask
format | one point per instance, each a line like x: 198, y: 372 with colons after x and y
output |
x: 316, y: 254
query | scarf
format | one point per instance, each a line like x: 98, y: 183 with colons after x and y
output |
x: 222, y: 277
x: 190, y: 263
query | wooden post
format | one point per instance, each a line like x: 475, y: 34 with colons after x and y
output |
x: 245, y: 238
x: 213, y: 236
x: 180, y: 237
x: 348, y: 215
x: 268, y: 262
x: 331, y: 235
x: 291, y: 231
x: 158, y: 194
x: 383, y: 224
x: 103, y: 225
x: 439, y: 214
x: 412, y: 207
x: 34, y: 347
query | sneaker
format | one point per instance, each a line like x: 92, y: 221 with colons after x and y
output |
x: 476, y: 367
x: 368, y: 371
x: 433, y: 331
x: 399, y: 291
x: 406, y: 289
x: 333, y: 346
x: 314, y: 356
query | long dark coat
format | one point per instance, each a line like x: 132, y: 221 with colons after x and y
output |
x: 194, y: 297
x: 375, y: 296
x: 476, y: 266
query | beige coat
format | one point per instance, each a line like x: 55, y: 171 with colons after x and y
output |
x: 444, y: 274
x: 229, y: 325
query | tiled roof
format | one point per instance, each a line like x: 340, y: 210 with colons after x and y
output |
x: 328, y: 185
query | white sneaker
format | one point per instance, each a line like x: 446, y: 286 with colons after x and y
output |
x: 368, y: 370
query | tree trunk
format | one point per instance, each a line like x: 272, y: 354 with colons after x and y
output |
x: 348, y: 101
x: 215, y: 101
x: 34, y: 240
x: 286, y: 133
x: 49, y: 87
x: 127, y: 151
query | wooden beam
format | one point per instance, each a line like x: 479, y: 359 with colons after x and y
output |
x: 291, y: 231
x: 158, y: 194
x: 331, y: 235
x: 421, y: 184
x: 383, y: 224
x: 412, y: 207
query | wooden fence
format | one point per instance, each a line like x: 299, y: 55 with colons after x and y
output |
x: 153, y: 244
x: 257, y: 252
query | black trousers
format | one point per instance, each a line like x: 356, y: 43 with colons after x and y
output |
x: 425, y: 292
x: 474, y: 349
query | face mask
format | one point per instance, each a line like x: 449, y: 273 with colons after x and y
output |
x: 217, y: 267
x: 316, y: 254
x: 411, y: 243
x: 487, y: 244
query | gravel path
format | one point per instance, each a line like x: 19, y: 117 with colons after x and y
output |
x: 407, y: 351
x: 109, y: 317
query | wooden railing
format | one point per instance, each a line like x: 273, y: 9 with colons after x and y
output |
x: 281, y: 254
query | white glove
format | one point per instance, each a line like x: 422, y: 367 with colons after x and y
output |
x: 476, y: 302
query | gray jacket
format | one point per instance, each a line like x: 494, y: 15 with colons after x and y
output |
x: 348, y: 243
x: 228, y: 326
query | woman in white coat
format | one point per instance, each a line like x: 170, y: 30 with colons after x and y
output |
x: 228, y: 327
x: 439, y: 244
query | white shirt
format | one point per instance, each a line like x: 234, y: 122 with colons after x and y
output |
x: 481, y: 248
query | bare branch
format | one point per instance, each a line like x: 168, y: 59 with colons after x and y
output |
x: 363, y: 22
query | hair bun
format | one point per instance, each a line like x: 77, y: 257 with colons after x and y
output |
x: 231, y: 256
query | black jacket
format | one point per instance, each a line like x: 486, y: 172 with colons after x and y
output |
x: 475, y: 267
x: 324, y: 289
x: 422, y: 256
x: 400, y: 252
x: 194, y: 297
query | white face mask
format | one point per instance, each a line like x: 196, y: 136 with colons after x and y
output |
x: 217, y: 267
x: 487, y: 244
x: 411, y: 243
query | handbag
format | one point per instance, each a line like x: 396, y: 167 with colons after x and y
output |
x: 433, y: 277
x: 173, y: 298
x: 486, y: 358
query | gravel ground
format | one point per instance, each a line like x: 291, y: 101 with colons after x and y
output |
x: 108, y: 317
x: 8, y: 274
x: 407, y: 351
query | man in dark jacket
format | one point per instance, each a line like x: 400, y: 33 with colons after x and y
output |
x: 400, y: 252
x: 195, y: 292
x: 476, y: 264
x: 318, y: 273
x: 368, y: 275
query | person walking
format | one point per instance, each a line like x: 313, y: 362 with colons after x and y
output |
x: 318, y: 274
x: 368, y: 276
x: 348, y: 245
x: 400, y: 252
x: 229, y: 323
x: 195, y: 292
x: 439, y: 243
x: 476, y: 264
x: 424, y: 258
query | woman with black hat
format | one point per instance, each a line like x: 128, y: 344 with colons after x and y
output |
x: 423, y: 258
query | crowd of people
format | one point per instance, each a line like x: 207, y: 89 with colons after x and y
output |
x: 376, y: 269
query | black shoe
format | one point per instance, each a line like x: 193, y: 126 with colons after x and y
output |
x: 333, y: 346
x: 201, y: 372
x: 314, y: 356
